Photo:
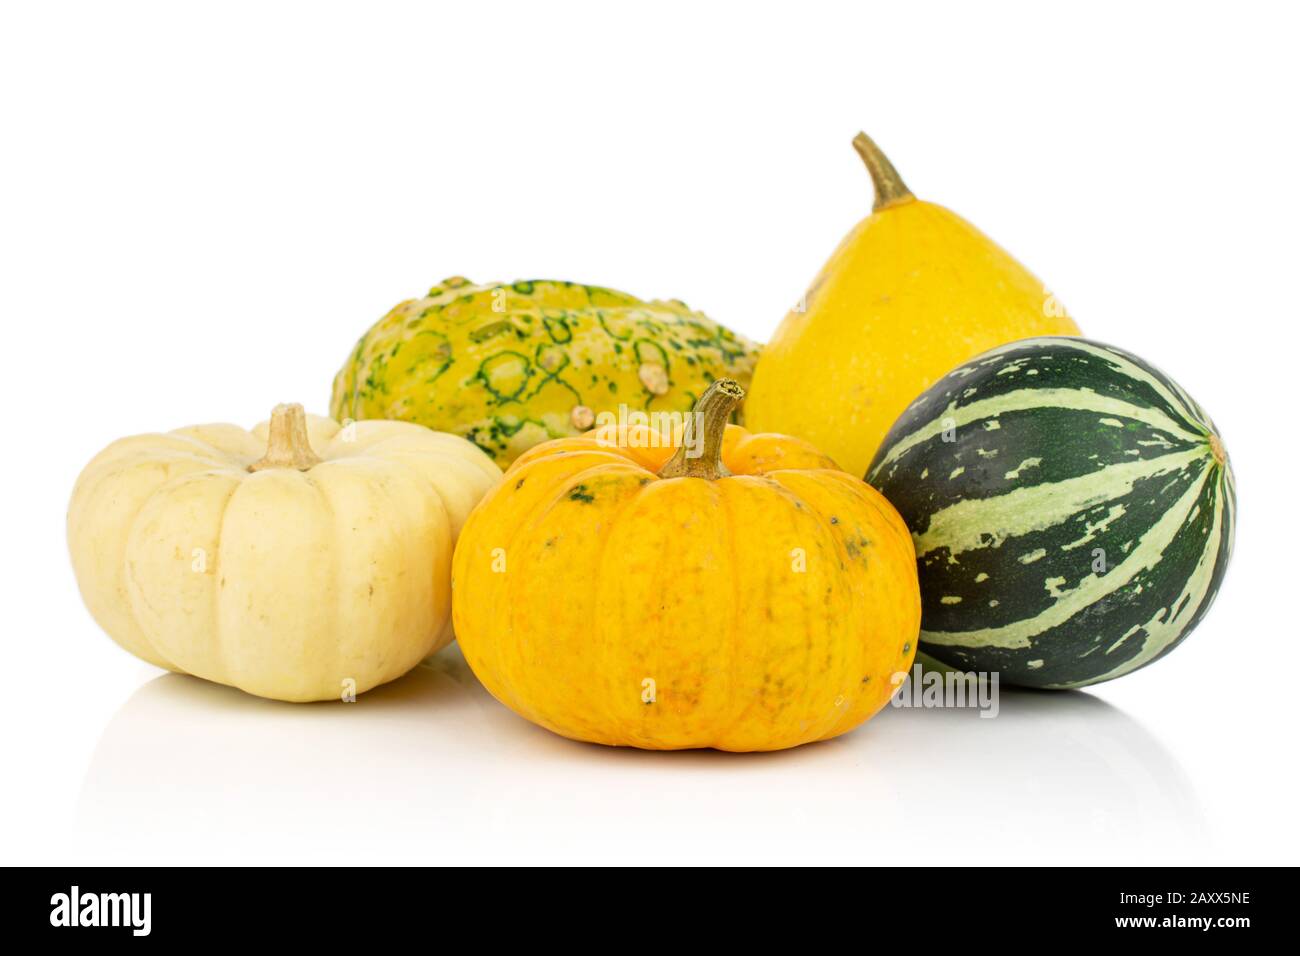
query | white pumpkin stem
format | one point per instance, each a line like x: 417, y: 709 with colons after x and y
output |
x: 287, y: 445
x: 890, y: 188
x: 712, y: 412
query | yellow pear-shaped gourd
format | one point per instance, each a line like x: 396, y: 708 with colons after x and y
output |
x: 912, y: 292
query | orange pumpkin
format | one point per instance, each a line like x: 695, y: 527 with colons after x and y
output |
x: 736, y: 591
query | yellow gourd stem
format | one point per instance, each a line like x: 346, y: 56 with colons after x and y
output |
x: 710, y: 415
x: 890, y: 188
x: 287, y: 445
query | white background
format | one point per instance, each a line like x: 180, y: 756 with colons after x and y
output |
x: 204, y: 206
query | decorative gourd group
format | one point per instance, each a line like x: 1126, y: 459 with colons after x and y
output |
x: 647, y: 574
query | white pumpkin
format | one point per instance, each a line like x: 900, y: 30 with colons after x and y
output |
x: 299, y: 561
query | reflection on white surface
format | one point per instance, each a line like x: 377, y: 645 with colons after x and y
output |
x: 432, y: 769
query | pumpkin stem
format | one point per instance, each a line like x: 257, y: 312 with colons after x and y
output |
x: 711, y: 413
x: 890, y: 188
x: 1217, y: 449
x: 287, y: 445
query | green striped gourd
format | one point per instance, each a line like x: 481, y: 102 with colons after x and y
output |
x: 1072, y: 508
x: 510, y: 365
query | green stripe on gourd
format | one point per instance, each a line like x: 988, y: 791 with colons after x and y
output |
x: 509, y: 365
x: 1072, y: 509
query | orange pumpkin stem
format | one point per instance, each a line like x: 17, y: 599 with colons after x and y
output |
x: 287, y: 445
x: 890, y: 188
x: 703, y: 459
